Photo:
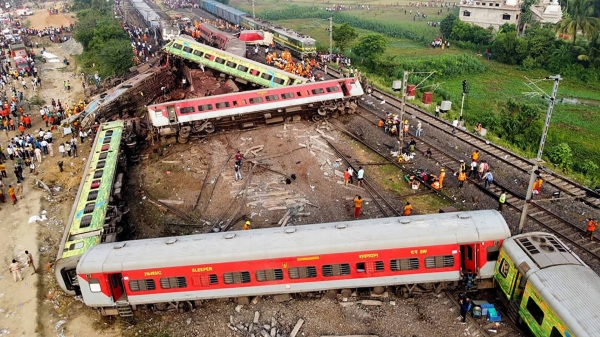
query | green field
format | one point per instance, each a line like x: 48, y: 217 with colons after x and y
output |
x: 576, y: 125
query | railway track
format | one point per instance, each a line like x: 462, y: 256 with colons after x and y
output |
x: 386, y: 207
x: 561, y: 183
x: 539, y: 216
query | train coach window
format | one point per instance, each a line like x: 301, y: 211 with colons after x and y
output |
x: 336, y: 269
x: 187, y: 49
x: 269, y: 275
x: 198, y: 53
x: 108, y: 133
x: 302, y: 272
x: 370, y: 267
x: 287, y: 95
x: 177, y: 46
x: 266, y: 76
x: 100, y: 164
x: 555, y: 332
x: 208, y: 56
x: 279, y: 81
x: 254, y: 72
x: 94, y: 285
x: 205, y: 107
x: 317, y: 91
x: 333, y: 89
x: 237, y: 277
x: 220, y: 60
x: 231, y: 64
x: 255, y: 100
x: 272, y: 98
x: 173, y: 282
x: 404, y: 264
x: 89, y: 208
x: 204, y: 280
x: 222, y: 105
x: 106, y: 140
x: 187, y: 110
x: 442, y: 261
x: 240, y: 102
x: 493, y: 253
x: 103, y: 155
x: 98, y: 174
x: 242, y: 68
x: 142, y: 285
x: 86, y: 221
x: 535, y: 311
x: 504, y: 268
x: 92, y: 195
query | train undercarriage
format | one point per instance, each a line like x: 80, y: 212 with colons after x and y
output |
x: 315, y: 111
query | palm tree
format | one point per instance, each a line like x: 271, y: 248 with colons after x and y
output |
x: 580, y: 18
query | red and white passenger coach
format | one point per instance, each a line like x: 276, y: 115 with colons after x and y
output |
x: 390, y: 252
x: 203, y: 114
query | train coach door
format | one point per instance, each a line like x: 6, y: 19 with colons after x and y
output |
x: 172, y: 114
x: 468, y: 258
x: 116, y: 286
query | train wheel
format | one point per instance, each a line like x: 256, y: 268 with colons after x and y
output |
x: 182, y: 140
x: 379, y: 290
x: 322, y: 111
x: 346, y: 293
x: 331, y: 293
x: 210, y: 128
x: 335, y: 114
x: 316, y: 118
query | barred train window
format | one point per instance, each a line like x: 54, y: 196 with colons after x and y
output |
x: 255, y: 100
x: 220, y: 60
x: 187, y: 110
x: 266, y: 76
x: 318, y: 91
x: 336, y: 269
x: 142, y: 285
x: 236, y: 277
x: 177, y: 46
x: 279, y: 81
x: 205, y: 107
x: 242, y: 68
x: 302, y: 272
x: 333, y: 89
x: 269, y: 275
x: 222, y: 105
x: 173, y: 282
x: 187, y: 49
x: 287, y: 95
x: 204, y: 280
x: 370, y: 267
x: 231, y: 64
x: 272, y: 98
x: 442, y: 261
x: 198, y: 53
x: 404, y: 264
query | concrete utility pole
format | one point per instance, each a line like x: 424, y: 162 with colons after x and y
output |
x: 401, y: 126
x: 538, y: 159
x: 253, y: 16
x: 330, y: 37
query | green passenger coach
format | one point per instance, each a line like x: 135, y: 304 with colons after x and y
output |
x: 547, y: 288
x: 88, y: 223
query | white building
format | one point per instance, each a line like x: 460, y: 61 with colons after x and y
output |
x: 495, y: 13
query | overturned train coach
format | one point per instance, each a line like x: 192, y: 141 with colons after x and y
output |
x: 424, y: 252
x: 246, y: 109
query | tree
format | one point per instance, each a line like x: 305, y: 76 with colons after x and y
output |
x: 580, y: 19
x: 520, y: 123
x: 560, y: 155
x: 447, y: 24
x: 115, y: 57
x: 509, y: 48
x: 540, y: 40
x: 343, y: 35
x: 371, y: 46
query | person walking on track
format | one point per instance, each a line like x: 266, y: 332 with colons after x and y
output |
x: 591, y: 227
x: 501, y: 201
x: 462, y: 176
x: 358, y: 200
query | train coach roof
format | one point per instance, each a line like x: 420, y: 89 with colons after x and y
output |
x: 327, y: 238
x: 572, y: 292
x: 229, y: 9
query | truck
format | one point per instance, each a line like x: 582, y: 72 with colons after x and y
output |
x: 24, y: 12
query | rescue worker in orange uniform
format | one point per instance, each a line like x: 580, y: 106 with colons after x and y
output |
x: 441, y: 178
x: 407, y: 209
x: 475, y: 155
x: 436, y: 185
x: 592, y: 224
x: 462, y: 176
x: 537, y: 186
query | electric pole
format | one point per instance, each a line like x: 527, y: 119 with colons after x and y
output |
x: 538, y: 159
x: 254, y: 17
x: 401, y: 126
x: 330, y: 37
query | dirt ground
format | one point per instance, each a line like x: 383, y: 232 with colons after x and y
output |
x: 40, y: 18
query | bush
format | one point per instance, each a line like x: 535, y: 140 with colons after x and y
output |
x: 561, y: 156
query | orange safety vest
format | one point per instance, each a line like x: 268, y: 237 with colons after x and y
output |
x: 475, y: 156
x: 436, y: 185
x: 462, y: 176
x: 592, y: 225
x: 407, y: 210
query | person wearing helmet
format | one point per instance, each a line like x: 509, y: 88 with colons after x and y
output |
x: 247, y: 225
x: 442, y: 176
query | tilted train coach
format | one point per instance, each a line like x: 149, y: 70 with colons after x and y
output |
x: 185, y: 117
x: 431, y: 251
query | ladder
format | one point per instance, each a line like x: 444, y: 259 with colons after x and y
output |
x: 124, y: 309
